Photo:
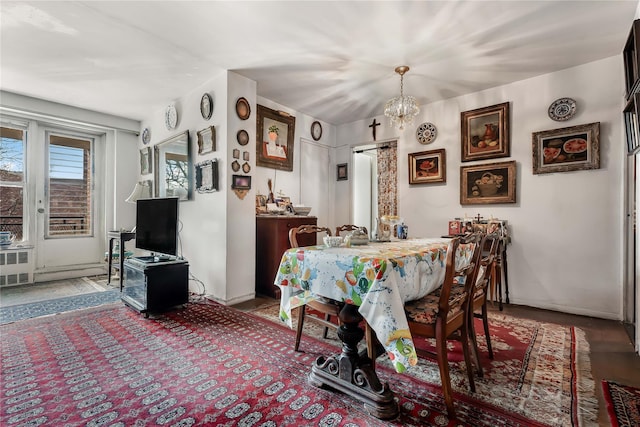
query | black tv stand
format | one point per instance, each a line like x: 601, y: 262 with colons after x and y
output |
x: 155, y: 286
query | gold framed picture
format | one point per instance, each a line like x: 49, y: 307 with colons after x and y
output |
x: 488, y: 183
x: 428, y: 167
x: 567, y: 149
x: 485, y: 133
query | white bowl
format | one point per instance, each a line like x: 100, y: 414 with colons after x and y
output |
x: 332, y: 241
x: 301, y: 210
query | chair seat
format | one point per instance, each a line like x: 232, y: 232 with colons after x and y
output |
x: 425, y: 310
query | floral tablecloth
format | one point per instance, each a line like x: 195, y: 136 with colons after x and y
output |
x: 379, y: 278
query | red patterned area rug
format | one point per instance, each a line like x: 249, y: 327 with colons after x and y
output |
x: 204, y: 365
x: 540, y: 370
x: 623, y: 404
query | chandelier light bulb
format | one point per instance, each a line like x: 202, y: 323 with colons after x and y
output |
x: 401, y: 109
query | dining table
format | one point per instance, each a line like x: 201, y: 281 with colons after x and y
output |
x: 373, y: 281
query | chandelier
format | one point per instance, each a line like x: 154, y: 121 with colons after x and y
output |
x: 401, y: 109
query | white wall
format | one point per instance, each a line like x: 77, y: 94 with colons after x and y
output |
x: 566, y: 251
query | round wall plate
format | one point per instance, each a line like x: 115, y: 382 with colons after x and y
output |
x: 243, y: 137
x: 146, y: 136
x: 206, y: 106
x: 316, y: 130
x: 243, y: 109
x: 426, y: 133
x: 562, y: 109
x: 171, y: 117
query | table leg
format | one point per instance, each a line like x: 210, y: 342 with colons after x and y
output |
x: 352, y: 374
x: 506, y: 276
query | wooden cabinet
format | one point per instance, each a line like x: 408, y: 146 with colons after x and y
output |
x: 272, y: 239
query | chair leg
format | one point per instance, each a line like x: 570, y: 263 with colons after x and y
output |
x: 464, y: 338
x: 485, y: 321
x: 301, y: 313
x: 327, y: 317
x: 471, y: 328
x: 443, y: 364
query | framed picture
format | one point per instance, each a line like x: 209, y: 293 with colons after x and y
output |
x: 241, y: 182
x: 488, y: 183
x: 343, y: 172
x: 207, y: 140
x: 245, y: 156
x: 261, y: 204
x: 274, y: 145
x: 207, y: 176
x: 236, y: 153
x: 485, y: 133
x: 567, y: 149
x: 145, y: 161
x: 427, y: 167
x: 632, y: 124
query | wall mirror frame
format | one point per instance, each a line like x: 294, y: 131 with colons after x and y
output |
x: 173, y: 165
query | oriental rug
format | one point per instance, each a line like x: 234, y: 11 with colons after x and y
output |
x: 540, y: 370
x: 204, y: 365
x: 623, y: 404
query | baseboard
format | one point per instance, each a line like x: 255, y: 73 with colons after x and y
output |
x: 232, y: 301
x: 580, y: 311
x: 68, y: 272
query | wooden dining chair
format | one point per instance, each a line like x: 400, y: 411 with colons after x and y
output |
x: 487, y: 268
x: 325, y: 306
x: 350, y: 227
x: 443, y: 314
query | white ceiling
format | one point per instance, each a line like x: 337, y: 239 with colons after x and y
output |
x: 332, y: 60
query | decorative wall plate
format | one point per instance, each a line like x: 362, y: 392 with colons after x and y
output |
x: 562, y: 109
x: 206, y: 106
x: 146, y: 136
x: 171, y: 117
x: 243, y: 137
x: 316, y: 130
x: 426, y: 133
x: 246, y: 168
x: 235, y: 166
x: 243, y: 109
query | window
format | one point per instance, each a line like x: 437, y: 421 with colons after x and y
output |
x: 12, y: 180
x: 69, y: 186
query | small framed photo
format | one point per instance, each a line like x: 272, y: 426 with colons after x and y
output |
x: 485, y: 133
x: 145, y: 161
x: 236, y: 153
x: 207, y: 140
x: 241, y: 182
x: 245, y: 156
x: 427, y: 167
x: 455, y: 228
x: 488, y: 183
x: 261, y: 204
x: 567, y: 149
x: 207, y: 176
x: 342, y: 172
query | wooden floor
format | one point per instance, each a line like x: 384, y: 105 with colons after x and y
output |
x: 612, y: 353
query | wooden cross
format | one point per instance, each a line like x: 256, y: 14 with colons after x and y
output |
x: 373, y: 127
x: 478, y: 218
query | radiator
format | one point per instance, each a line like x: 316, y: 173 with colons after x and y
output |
x: 16, y: 266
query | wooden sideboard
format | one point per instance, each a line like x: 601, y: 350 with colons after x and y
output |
x: 272, y: 239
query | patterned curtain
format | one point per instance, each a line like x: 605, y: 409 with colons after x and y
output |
x: 388, y: 180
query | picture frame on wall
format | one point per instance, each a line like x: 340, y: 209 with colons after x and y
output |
x: 489, y: 183
x: 274, y: 142
x: 241, y: 182
x: 428, y: 167
x: 207, y: 176
x: 207, y: 140
x: 485, y: 133
x: 145, y: 161
x: 567, y: 149
x: 342, y: 172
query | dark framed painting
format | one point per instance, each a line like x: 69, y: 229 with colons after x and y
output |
x: 485, y: 133
x: 241, y: 182
x: 275, y: 132
x: 342, y: 172
x: 567, y: 149
x: 489, y: 183
x: 428, y: 167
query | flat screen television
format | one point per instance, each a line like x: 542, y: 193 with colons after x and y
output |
x: 157, y: 225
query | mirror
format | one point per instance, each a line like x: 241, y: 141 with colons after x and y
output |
x: 172, y: 171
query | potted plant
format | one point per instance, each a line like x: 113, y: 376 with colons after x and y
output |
x: 273, y: 133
